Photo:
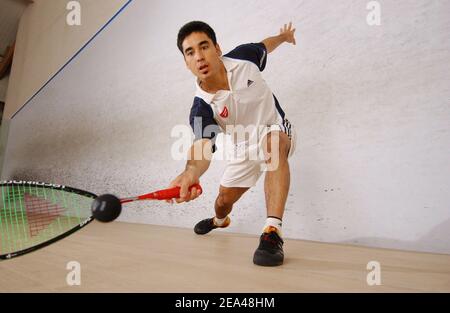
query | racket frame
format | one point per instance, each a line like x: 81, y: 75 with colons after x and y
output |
x: 85, y: 222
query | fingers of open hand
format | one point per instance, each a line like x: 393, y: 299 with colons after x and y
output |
x: 287, y: 28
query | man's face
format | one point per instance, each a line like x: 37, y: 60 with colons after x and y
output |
x: 202, y: 57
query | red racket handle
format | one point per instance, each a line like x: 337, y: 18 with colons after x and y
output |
x: 167, y: 194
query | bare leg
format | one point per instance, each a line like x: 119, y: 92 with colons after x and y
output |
x: 277, y: 180
x: 226, y: 198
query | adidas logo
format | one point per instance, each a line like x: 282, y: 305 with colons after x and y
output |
x: 249, y: 83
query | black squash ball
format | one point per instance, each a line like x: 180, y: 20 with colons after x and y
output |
x: 106, y: 208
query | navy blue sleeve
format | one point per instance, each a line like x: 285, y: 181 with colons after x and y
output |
x: 202, y: 121
x: 253, y: 52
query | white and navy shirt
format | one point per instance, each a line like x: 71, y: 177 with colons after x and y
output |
x: 248, y: 102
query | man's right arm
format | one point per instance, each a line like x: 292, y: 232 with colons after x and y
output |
x: 200, y: 155
x: 205, y: 128
x: 199, y: 159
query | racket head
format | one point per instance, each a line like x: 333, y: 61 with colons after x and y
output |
x: 34, y: 215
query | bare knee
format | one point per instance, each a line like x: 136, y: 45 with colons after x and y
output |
x: 277, y: 147
x: 228, y: 196
x: 224, y: 200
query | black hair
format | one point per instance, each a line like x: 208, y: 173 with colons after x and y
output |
x: 193, y: 27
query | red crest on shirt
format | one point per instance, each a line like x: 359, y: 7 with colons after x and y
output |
x: 224, y: 113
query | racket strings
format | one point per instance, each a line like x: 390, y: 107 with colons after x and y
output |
x: 31, y: 215
x: 40, y: 213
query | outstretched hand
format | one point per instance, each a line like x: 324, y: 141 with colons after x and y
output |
x: 288, y: 33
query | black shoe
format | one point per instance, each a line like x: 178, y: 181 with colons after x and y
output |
x: 270, y: 250
x: 206, y: 225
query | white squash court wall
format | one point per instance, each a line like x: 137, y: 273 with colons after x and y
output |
x: 371, y: 106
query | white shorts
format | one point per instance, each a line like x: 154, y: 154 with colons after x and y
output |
x: 244, y: 168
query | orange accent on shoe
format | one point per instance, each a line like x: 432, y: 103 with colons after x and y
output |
x: 270, y: 229
x: 225, y: 223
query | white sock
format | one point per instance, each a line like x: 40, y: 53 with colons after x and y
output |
x: 273, y: 222
x: 220, y: 221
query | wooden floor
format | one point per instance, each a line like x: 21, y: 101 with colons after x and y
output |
x: 122, y: 257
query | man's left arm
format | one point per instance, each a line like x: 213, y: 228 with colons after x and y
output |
x: 286, y: 35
